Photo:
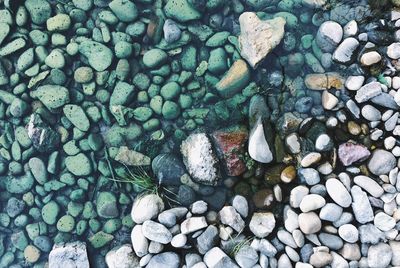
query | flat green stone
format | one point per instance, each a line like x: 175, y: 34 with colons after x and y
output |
x: 181, y: 11
x: 66, y: 224
x: 79, y: 164
x: 52, y: 96
x: 50, y: 212
x: 77, y: 116
x: 100, y: 239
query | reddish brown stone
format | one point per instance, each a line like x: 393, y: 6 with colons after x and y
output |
x: 230, y: 145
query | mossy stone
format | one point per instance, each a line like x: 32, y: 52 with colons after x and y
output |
x: 52, y: 96
x: 170, y: 110
x: 79, y: 165
x: 122, y: 94
x: 66, y: 224
x: 50, y: 212
x: 154, y: 58
x: 181, y: 11
x: 106, y: 205
x: 100, y: 239
x: 170, y: 90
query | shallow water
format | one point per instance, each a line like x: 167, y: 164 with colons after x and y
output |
x: 279, y: 80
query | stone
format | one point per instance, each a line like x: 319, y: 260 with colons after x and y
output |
x: 229, y: 216
x: 288, y: 174
x: 368, y: 91
x: 258, y: 38
x: 165, y: 259
x: 100, y: 239
x: 77, y: 116
x: 324, y: 81
x: 199, y: 207
x: 79, y: 165
x: 52, y: 96
x: 122, y: 257
x: 370, y: 113
x: 381, y: 162
x: 14, y: 207
x: 31, y: 254
x: 246, y: 257
x: 361, y: 207
x: 309, y: 223
x: 38, y: 169
x: 193, y: 224
x: 312, y: 202
x: 262, y: 224
x: 393, y: 51
x: 241, y: 205
x: 106, y: 205
x: 179, y: 241
x: 131, y: 157
x: 39, y: 10
x: 258, y: 147
x: 323, y: 143
x: 309, y: 175
x: 297, y: 194
x: 230, y: 147
x: 156, y: 232
x: 62, y: 255
x: 320, y: 259
x: 43, y: 138
x: 125, y: 10
x: 50, y: 212
x: 345, y: 53
x: 384, y: 222
x: 331, y: 212
x: 370, y: 58
x: 351, y: 152
x: 215, y: 257
x: 348, y: 233
x: 60, y: 22
x: 181, y: 11
x: 154, y: 58
x: 171, y: 30
x: 168, y: 168
x: 263, y: 199
x: 139, y: 241
x: 369, y: 185
x: 146, y: 208
x: 329, y: 35
x: 208, y: 239
x: 199, y: 159
x: 234, y: 80
x: 314, y: 4
x: 98, y: 55
x: 329, y: 101
x: 354, y: 82
x: 338, y: 192
x: 122, y: 94
x: 379, y: 255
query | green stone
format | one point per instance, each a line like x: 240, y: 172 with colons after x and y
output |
x: 123, y: 49
x: 81, y: 227
x: 77, y: 116
x: 100, y: 239
x: 189, y: 59
x: 237, y: 78
x: 50, y: 212
x: 154, y: 58
x: 52, y: 96
x: 112, y: 225
x: 181, y: 11
x: 39, y: 10
x: 106, y: 205
x: 19, y: 240
x: 170, y: 110
x: 88, y: 211
x: 38, y: 169
x: 142, y: 113
x: 66, y: 224
x: 156, y: 103
x: 122, y: 94
x: 20, y: 185
x: 74, y: 209
x: 170, y: 90
x: 218, y: 39
x: 98, y: 55
x: 79, y: 165
x: 125, y: 10
x: 217, y: 63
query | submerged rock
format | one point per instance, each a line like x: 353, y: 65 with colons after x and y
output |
x: 258, y: 38
x: 200, y: 159
x: 234, y: 80
x: 230, y: 144
x: 259, y: 148
x: 64, y: 255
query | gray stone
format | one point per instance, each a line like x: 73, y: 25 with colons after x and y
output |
x: 199, y: 207
x: 208, y: 239
x: 216, y: 258
x: 309, y: 223
x: 193, y: 224
x: 246, y: 257
x: 379, y: 256
x: 384, y: 222
x: 121, y: 257
x: 370, y: 234
x: 172, y: 32
x: 329, y: 35
x: 361, y: 207
x: 139, y: 241
x: 63, y: 255
x: 309, y: 176
x: 146, y: 208
x: 240, y: 204
x: 333, y: 242
x: 262, y: 224
x: 330, y: 212
x: 348, y: 233
x: 14, y: 207
x: 369, y: 185
x: 338, y: 192
x: 229, y: 216
x: 156, y: 232
x: 381, y: 162
x: 345, y: 52
x: 368, y: 91
x: 165, y: 259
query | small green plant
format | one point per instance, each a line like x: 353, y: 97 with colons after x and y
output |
x: 240, y: 244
